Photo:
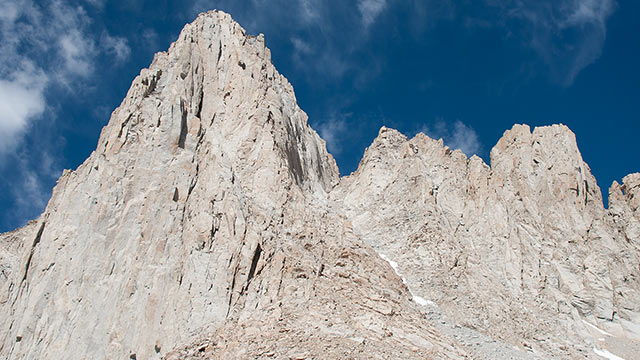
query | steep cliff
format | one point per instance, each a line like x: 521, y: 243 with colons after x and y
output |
x: 204, y: 207
x: 523, y: 250
x: 211, y: 222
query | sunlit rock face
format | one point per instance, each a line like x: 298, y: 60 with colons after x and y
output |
x: 523, y: 250
x: 210, y: 222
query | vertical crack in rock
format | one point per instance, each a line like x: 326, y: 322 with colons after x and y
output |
x: 183, y: 124
x: 32, y: 250
x: 200, y: 102
x: 151, y: 84
x: 254, y: 263
x: 292, y: 153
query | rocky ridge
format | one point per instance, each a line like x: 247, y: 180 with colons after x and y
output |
x: 522, y: 250
x: 211, y: 222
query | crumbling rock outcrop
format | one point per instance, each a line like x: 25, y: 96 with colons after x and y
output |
x: 210, y: 222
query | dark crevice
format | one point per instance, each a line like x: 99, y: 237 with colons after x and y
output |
x: 270, y: 118
x: 254, y: 263
x: 586, y: 192
x: 124, y: 123
x: 233, y: 285
x: 293, y: 155
x: 151, y: 83
x: 36, y: 241
x: 194, y: 182
x: 183, y: 126
x: 199, y: 110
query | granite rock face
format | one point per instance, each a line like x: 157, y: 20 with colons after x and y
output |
x: 204, y: 208
x: 210, y: 222
x: 522, y: 250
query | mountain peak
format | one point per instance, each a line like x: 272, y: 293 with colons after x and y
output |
x: 210, y: 222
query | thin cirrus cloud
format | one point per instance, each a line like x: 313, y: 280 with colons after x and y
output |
x: 333, y: 130
x: 568, y: 35
x: 456, y: 135
x: 370, y: 9
x: 116, y: 46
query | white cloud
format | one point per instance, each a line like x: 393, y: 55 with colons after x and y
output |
x: 309, y: 10
x: 456, y: 135
x: 151, y: 39
x: 116, y: 46
x: 333, y: 131
x: 370, y: 9
x: 330, y: 64
x: 77, y: 53
x: 31, y: 190
x: 567, y: 34
x: 588, y: 11
x: 464, y: 138
x: 21, y: 99
x: 43, y: 44
x: 300, y: 46
x: 10, y: 11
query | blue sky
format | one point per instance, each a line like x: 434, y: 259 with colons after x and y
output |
x: 462, y: 70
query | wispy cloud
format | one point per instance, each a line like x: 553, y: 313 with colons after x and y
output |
x: 21, y: 99
x: 456, y: 135
x: 300, y: 46
x: 370, y: 9
x: 464, y: 138
x: 77, y: 54
x: 31, y: 191
x: 313, y: 61
x: 334, y: 130
x: 118, y: 47
x: 567, y: 34
x: 97, y: 3
x: 44, y: 44
x: 309, y: 10
x: 583, y: 12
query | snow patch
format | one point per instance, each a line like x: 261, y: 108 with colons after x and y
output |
x: 597, y: 328
x: 417, y: 299
x: 421, y: 301
x: 605, y: 354
x: 394, y: 265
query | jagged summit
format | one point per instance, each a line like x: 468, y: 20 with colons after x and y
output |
x: 522, y: 249
x: 211, y: 222
x: 215, y: 75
